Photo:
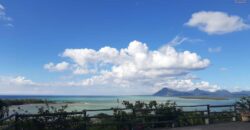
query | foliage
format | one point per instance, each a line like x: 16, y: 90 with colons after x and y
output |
x: 138, y: 115
x: 191, y: 118
x: 221, y: 116
x: 164, y: 112
x: 102, y: 118
x: 243, y: 104
x: 51, y: 118
x: 4, y: 109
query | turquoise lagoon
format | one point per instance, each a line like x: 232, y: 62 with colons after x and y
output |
x: 79, y: 103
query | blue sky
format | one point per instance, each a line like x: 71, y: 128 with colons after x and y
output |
x: 34, y: 37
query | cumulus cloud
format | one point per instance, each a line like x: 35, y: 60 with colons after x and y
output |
x: 4, y: 17
x: 215, y: 22
x: 56, y: 67
x: 137, y: 65
x: 214, y: 50
x: 137, y: 58
x: 188, y: 85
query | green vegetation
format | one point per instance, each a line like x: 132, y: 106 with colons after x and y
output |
x: 4, y: 109
x: 244, y: 104
x: 50, y: 122
x: 203, y: 97
x: 138, y: 115
x: 221, y: 117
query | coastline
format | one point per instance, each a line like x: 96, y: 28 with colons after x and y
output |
x: 204, y: 98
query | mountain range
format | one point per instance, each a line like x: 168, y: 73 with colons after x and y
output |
x: 197, y: 92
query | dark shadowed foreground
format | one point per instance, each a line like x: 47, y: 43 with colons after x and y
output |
x: 221, y: 126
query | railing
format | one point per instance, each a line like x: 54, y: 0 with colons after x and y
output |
x: 132, y: 122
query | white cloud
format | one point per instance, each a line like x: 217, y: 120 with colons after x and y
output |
x: 56, y: 67
x: 215, y: 22
x: 146, y: 83
x: 136, y: 66
x: 18, y: 81
x: 214, y: 50
x: 23, y: 86
x: 187, y: 85
x: 177, y: 40
x: 191, y: 77
x: 132, y: 70
x: 81, y: 71
x: 3, y: 16
x: 137, y: 58
x: 20, y: 85
x: 239, y: 88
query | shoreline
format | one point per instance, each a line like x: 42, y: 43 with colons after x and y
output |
x: 204, y: 98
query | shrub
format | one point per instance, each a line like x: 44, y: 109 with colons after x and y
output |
x: 244, y: 104
x: 4, y: 109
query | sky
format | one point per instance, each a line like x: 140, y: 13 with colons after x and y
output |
x: 123, y: 47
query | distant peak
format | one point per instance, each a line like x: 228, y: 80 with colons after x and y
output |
x: 198, y: 92
x: 166, y: 88
x: 222, y: 90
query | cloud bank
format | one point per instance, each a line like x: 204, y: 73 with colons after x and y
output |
x: 109, y: 71
x: 135, y: 66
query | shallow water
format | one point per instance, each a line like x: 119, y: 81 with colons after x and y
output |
x: 79, y: 103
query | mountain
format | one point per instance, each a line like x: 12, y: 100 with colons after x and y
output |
x: 170, y: 92
x: 242, y: 93
x: 223, y: 93
x: 197, y: 92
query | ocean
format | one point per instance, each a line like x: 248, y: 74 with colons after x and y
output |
x: 79, y: 103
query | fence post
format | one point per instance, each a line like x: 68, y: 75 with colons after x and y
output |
x: 234, y: 114
x: 207, y: 121
x: 131, y: 121
x: 119, y: 117
x: 85, y: 119
x: 175, y: 118
x: 16, y: 121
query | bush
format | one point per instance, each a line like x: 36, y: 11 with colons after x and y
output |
x: 138, y: 115
x: 48, y: 121
x: 4, y: 109
x: 243, y: 104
